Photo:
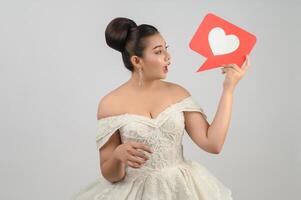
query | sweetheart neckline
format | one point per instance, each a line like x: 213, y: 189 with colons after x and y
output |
x: 145, y: 117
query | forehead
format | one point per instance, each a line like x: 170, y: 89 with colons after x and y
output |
x: 155, y: 40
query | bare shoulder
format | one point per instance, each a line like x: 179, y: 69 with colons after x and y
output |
x: 178, y: 91
x: 108, y: 105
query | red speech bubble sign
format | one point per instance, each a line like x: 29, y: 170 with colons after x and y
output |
x: 221, y: 42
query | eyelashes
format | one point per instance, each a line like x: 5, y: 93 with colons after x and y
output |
x: 159, y: 52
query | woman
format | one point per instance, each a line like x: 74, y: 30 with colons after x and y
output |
x: 141, y: 124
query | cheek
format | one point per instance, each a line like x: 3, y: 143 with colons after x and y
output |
x: 153, y: 64
x: 155, y: 60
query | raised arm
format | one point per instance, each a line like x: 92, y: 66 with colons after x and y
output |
x: 211, y: 137
x: 219, y: 127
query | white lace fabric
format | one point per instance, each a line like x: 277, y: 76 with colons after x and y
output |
x: 167, y: 175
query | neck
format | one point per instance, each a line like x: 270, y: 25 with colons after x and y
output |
x: 147, y: 84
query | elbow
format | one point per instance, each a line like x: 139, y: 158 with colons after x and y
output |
x: 112, y: 178
x: 216, y: 149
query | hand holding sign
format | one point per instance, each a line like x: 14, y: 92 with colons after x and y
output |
x: 221, y: 42
x: 234, y: 73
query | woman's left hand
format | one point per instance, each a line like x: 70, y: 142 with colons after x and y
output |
x: 234, y: 73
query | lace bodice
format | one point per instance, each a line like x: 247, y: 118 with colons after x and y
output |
x: 166, y: 175
x: 163, y: 133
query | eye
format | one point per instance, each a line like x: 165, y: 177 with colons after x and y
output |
x: 160, y: 51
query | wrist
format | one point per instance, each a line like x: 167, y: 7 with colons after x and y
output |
x: 229, y: 89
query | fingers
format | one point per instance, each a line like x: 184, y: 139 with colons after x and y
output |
x: 137, y: 154
x: 141, y: 154
x: 231, y: 67
x: 243, y: 68
x: 142, y: 146
x: 246, y: 64
x: 223, y: 71
x: 236, y: 68
x: 133, y: 164
x: 136, y: 159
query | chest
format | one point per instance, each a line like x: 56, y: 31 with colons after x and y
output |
x: 167, y: 127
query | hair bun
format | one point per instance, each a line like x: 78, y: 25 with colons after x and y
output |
x: 117, y: 32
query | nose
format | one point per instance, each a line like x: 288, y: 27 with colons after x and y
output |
x: 168, y: 57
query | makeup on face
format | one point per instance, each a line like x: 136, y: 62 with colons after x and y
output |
x: 165, y: 69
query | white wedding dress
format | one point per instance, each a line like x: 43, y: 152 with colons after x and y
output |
x: 167, y: 175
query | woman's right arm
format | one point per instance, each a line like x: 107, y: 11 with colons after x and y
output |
x: 112, y: 169
x: 114, y: 156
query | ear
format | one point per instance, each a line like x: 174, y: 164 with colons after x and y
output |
x: 136, y: 61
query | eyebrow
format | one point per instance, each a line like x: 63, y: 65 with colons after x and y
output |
x: 158, y: 46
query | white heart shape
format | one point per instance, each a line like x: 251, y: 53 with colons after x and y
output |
x: 220, y: 43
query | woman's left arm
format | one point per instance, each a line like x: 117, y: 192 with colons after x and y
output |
x: 218, y: 129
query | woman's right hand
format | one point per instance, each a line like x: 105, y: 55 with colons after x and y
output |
x: 130, y: 153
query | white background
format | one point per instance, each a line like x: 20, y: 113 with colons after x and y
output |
x: 55, y: 66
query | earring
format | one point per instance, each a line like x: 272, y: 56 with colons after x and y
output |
x: 140, y: 77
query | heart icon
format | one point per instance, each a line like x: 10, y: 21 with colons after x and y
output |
x: 220, y: 43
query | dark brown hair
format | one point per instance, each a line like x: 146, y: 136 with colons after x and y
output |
x: 123, y: 35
